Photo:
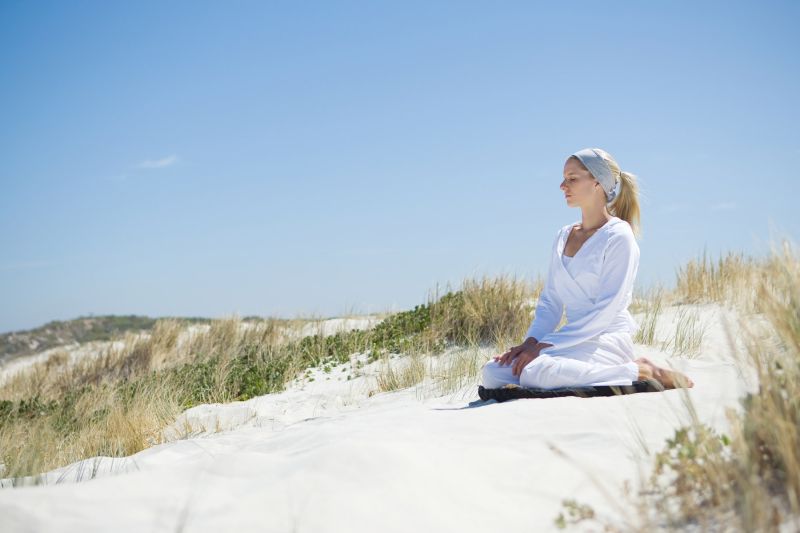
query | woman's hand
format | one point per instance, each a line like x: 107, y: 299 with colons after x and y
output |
x: 524, y: 357
x: 525, y: 351
x: 521, y: 355
x: 507, y: 357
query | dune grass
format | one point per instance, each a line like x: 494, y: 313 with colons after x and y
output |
x: 492, y: 312
x: 406, y: 373
x: 731, y: 278
x: 460, y: 369
x: 486, y: 310
x: 687, y: 338
x: 754, y: 475
x: 115, y: 403
x: 650, y: 304
x: 749, y: 479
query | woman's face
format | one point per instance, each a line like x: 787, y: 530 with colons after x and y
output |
x: 579, y: 186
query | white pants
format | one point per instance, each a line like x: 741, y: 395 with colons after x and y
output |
x: 606, y: 360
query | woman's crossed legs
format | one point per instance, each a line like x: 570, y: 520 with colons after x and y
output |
x: 550, y: 372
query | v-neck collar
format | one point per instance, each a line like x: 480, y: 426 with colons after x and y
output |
x: 609, y: 222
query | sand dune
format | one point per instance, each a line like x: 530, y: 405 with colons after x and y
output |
x: 328, y: 456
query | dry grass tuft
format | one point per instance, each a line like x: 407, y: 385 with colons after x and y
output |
x: 397, y: 375
x: 651, y: 305
x: 485, y: 310
x: 688, y: 336
x: 459, y: 370
x: 730, y: 279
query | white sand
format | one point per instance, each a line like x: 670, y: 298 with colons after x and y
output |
x: 331, y: 326
x: 326, y: 456
x: 74, y: 352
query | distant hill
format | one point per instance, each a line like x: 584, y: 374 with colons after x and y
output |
x: 87, y: 328
x: 82, y: 329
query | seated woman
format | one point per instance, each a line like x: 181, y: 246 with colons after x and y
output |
x: 591, y: 273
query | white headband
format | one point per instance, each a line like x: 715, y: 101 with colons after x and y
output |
x: 600, y: 170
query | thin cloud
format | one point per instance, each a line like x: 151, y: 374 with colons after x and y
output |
x: 724, y: 205
x: 159, y: 163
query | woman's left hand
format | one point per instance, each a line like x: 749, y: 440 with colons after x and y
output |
x: 526, y: 356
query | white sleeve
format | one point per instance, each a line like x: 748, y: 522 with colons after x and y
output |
x: 620, y: 263
x: 549, y: 308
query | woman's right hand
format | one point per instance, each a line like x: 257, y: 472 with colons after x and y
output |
x: 508, y: 357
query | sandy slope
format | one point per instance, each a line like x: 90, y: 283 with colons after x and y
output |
x: 326, y: 456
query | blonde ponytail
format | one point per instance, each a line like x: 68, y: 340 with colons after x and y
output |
x: 626, y: 204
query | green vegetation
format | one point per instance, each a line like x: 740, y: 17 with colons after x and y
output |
x: 116, y: 403
x: 79, y: 330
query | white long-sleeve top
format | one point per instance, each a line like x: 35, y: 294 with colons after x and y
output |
x: 595, y: 288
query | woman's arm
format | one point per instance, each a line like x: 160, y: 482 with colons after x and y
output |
x: 549, y: 308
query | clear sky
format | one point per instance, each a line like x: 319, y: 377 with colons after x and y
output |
x: 317, y: 158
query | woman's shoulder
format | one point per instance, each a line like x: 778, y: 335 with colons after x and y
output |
x: 620, y: 232
x: 618, y: 226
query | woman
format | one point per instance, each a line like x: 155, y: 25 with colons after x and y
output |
x: 591, y: 275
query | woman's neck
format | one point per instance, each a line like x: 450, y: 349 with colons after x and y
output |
x: 594, y: 218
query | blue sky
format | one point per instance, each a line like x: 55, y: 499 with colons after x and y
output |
x: 318, y: 158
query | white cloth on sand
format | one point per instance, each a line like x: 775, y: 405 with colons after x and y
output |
x: 595, y: 287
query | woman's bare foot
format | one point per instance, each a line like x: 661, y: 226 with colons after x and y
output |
x: 671, y: 379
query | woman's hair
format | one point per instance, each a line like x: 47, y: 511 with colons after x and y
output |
x: 626, y: 204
